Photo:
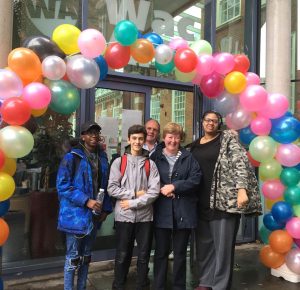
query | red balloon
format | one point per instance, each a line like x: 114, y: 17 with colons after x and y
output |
x: 185, y: 60
x: 15, y: 111
x: 242, y: 63
x: 117, y: 55
x: 2, y: 159
x: 252, y: 160
x: 212, y: 85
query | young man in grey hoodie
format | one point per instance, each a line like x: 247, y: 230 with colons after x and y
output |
x: 135, y: 188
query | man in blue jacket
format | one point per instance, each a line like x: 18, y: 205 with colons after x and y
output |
x: 82, y: 172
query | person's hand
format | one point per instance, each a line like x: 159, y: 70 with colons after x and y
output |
x: 168, y: 190
x: 124, y: 204
x: 94, y: 205
x: 242, y: 198
x: 140, y: 193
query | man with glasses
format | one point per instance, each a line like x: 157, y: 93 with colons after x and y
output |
x: 82, y: 172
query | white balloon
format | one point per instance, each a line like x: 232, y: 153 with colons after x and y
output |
x: 10, y: 84
x: 53, y: 67
x: 163, y: 54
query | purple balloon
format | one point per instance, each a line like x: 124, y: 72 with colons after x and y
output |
x: 297, y: 242
x: 292, y: 260
x: 212, y: 85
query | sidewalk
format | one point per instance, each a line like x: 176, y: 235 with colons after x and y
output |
x: 249, y: 274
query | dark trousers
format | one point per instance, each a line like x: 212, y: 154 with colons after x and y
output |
x: 163, y: 239
x: 126, y: 233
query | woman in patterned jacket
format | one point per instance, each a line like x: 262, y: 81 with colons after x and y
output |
x: 228, y: 189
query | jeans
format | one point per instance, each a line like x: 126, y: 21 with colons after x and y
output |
x: 78, y: 257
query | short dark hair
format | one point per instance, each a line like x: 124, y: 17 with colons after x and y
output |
x: 219, y: 116
x: 136, y: 129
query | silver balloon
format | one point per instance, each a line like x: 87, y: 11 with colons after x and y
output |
x: 292, y: 260
x: 239, y: 119
x: 53, y: 67
x: 10, y: 84
x: 226, y: 103
x: 163, y: 54
x: 82, y: 72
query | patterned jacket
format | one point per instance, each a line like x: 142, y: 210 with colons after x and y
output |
x: 233, y: 171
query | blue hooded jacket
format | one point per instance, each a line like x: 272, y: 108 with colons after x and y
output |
x: 76, y: 188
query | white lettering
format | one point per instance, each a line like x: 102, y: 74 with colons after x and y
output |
x: 163, y: 23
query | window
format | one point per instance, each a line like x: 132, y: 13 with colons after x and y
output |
x: 178, y: 104
x: 155, y: 107
x: 228, y: 10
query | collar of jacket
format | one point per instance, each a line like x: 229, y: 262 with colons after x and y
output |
x: 145, y: 153
x: 79, y: 151
x: 159, y: 151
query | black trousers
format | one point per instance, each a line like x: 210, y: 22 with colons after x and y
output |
x: 163, y: 240
x: 126, y: 234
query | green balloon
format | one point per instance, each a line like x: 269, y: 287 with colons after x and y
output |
x: 270, y: 169
x: 264, y: 234
x: 296, y: 209
x: 126, y: 32
x: 290, y: 176
x: 201, y: 47
x: 262, y: 148
x: 292, y: 195
x: 65, y: 98
x: 185, y: 77
x: 165, y: 68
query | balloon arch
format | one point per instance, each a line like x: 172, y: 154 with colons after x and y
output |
x: 48, y: 72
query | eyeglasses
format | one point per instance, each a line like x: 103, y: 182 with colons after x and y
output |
x: 92, y: 133
x: 214, y: 121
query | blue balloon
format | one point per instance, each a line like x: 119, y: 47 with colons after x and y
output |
x: 285, y: 130
x: 282, y: 212
x: 140, y: 35
x: 4, y: 207
x: 102, y: 64
x: 154, y: 38
x: 271, y: 224
x: 246, y: 135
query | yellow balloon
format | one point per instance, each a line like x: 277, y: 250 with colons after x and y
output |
x: 7, y: 186
x: 39, y: 112
x: 66, y: 37
x: 235, y: 82
x: 269, y: 202
x: 10, y: 166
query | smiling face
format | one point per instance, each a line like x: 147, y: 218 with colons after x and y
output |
x: 91, y: 139
x: 172, y: 143
x: 210, y: 123
x: 152, y: 129
x: 136, y: 142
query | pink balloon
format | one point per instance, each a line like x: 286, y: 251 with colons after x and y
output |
x: 239, y: 119
x: 253, y: 98
x: 91, y: 43
x: 224, y: 63
x: 292, y: 260
x: 197, y: 79
x: 252, y: 78
x: 293, y: 227
x: 37, y: 95
x: 261, y: 126
x: 205, y: 65
x: 275, y: 107
x: 288, y: 154
x: 212, y: 85
x: 178, y: 42
x: 273, y: 189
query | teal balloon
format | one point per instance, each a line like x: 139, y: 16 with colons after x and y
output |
x: 126, y: 33
x: 65, y: 98
x: 165, y: 68
x: 264, y: 234
x: 292, y: 195
x: 290, y: 176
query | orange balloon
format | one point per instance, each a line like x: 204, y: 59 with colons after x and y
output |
x: 10, y: 166
x: 142, y: 50
x: 25, y: 63
x: 38, y: 113
x: 4, y: 232
x: 270, y: 258
x: 269, y: 202
x: 280, y: 241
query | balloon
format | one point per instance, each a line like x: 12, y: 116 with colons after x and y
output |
x: 270, y: 258
x: 25, y: 63
x: 185, y: 60
x: 262, y: 148
x: 39, y: 112
x: 226, y: 103
x: 253, y: 98
x: 297, y: 242
x: 273, y: 189
x: 65, y: 97
x: 165, y: 68
x: 178, y: 43
x: 91, y: 43
x: 4, y: 232
x: 154, y: 38
x: 224, y: 63
x: 43, y: 47
x: 197, y: 78
x: 102, y: 64
x: 270, y: 169
x: 82, y: 72
x: 292, y: 195
x: 280, y: 241
x: 10, y: 84
x: 10, y: 166
x: 282, y: 212
x: 4, y: 207
x: 251, y: 160
x: 264, y: 234
x: 235, y: 82
x: 126, y: 32
x: 275, y: 107
x: 242, y: 63
x: 16, y: 141
x: 163, y: 54
x: 37, y: 95
x: 184, y: 77
x: 239, y: 119
x: 205, y: 65
x: 293, y: 227
x: 7, y: 186
x: 271, y: 224
x: 292, y: 260
x: 117, y: 56
x: 246, y: 136
x: 201, y: 47
x: 66, y: 37
x: 53, y: 67
x: 288, y: 154
x: 2, y: 159
x: 290, y: 176
x: 142, y: 50
x: 261, y: 126
x: 252, y: 79
x: 212, y: 85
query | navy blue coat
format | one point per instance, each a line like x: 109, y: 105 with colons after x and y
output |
x: 179, y: 212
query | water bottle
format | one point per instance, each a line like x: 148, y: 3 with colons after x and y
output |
x: 100, y: 197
